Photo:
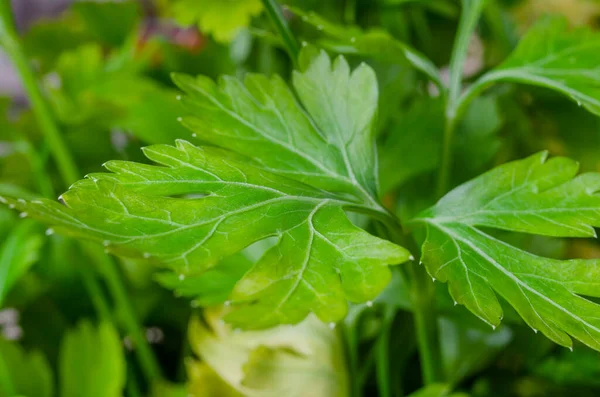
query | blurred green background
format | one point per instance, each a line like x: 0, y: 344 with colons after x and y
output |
x: 76, y: 325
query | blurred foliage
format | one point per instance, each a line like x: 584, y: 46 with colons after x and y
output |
x: 105, y: 69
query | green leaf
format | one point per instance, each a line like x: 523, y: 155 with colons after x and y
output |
x: 552, y: 56
x: 203, y: 204
x: 579, y: 368
x: 414, y: 144
x: 22, y: 373
x: 212, y: 287
x: 532, y: 196
x: 92, y: 362
x: 468, y: 350
x: 85, y: 95
x: 260, y: 118
x: 204, y: 382
x: 477, y: 140
x: 375, y: 43
x: 417, y: 135
x: 220, y: 18
x: 17, y: 254
x: 111, y: 22
x: 167, y: 389
x: 47, y: 39
x: 302, y: 360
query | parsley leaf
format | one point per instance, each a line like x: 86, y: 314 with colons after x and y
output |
x: 202, y: 204
x: 377, y: 43
x: 220, y: 18
x: 552, y: 56
x: 532, y: 196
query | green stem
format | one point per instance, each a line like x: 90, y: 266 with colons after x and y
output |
x: 277, y: 18
x: 382, y: 358
x: 94, y: 290
x: 494, y: 19
x: 10, y: 41
x: 132, y: 387
x: 350, y: 12
x: 7, y: 388
x: 471, y: 12
x: 426, y: 325
x: 348, y: 335
x: 468, y: 22
x: 446, y: 162
x: 422, y: 29
x: 144, y: 354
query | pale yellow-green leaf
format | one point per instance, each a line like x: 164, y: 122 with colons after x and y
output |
x: 302, y: 360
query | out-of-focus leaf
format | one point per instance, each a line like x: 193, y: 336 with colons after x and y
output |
x: 15, y: 168
x: 413, y: 145
x: 446, y: 8
x: 552, y: 56
x: 204, y: 382
x: 476, y: 140
x: 467, y: 350
x: 8, y: 189
x: 397, y: 83
x: 166, y: 389
x: 220, y: 18
x: 211, y: 287
x: 111, y: 22
x: 17, y: 254
x: 301, y: 360
x: 375, y: 43
x: 46, y: 40
x: 569, y: 131
x: 532, y: 196
x: 577, y: 12
x: 24, y: 374
x: 578, y: 368
x: 85, y: 94
x: 92, y: 362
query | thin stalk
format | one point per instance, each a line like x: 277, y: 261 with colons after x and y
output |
x: 422, y: 29
x: 92, y: 286
x: 350, y: 12
x: 426, y: 326
x: 494, y: 19
x: 382, y: 359
x: 132, y: 387
x: 468, y: 21
x: 446, y: 162
x: 348, y: 335
x: 9, y: 39
x: 6, y: 385
x: 109, y: 270
x: 277, y: 18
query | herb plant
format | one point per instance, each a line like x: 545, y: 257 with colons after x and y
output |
x: 322, y: 207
